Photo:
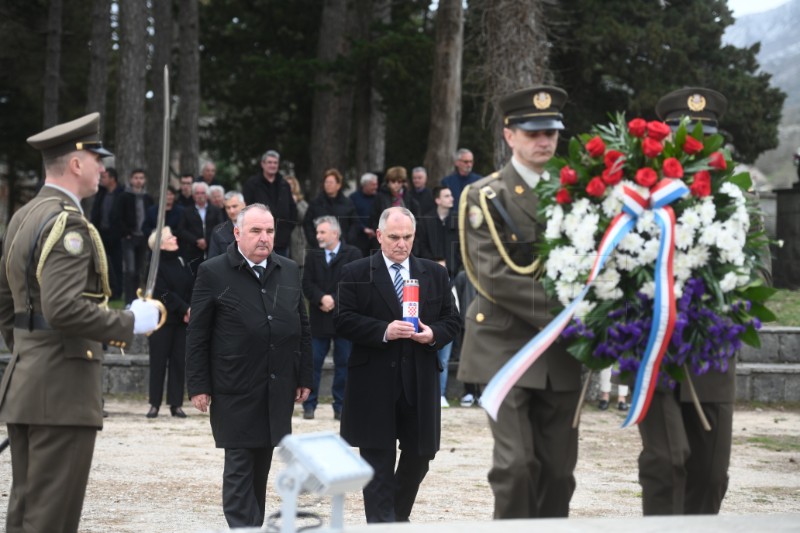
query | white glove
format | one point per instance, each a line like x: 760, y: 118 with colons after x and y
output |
x: 145, y: 316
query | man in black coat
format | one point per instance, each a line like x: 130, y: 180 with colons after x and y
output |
x: 105, y: 217
x: 438, y: 233
x: 269, y: 188
x: 196, y: 225
x: 248, y: 356
x: 392, y: 388
x: 222, y: 235
x: 321, y: 273
x: 133, y: 207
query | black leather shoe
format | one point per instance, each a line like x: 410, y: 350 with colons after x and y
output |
x: 603, y: 405
x: 622, y: 406
x: 308, y: 414
x: 177, y: 411
x: 152, y: 413
x: 337, y: 415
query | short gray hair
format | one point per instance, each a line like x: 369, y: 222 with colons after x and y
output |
x: 271, y: 153
x: 419, y: 169
x: 462, y: 151
x: 402, y: 210
x: 216, y: 188
x: 198, y: 184
x: 330, y: 220
x: 366, y: 178
x: 253, y: 207
x: 231, y: 194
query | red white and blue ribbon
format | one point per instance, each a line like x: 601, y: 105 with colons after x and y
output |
x: 665, y: 192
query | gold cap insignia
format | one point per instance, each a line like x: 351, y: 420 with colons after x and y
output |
x: 480, y: 317
x: 696, y: 102
x: 73, y: 243
x: 519, y: 189
x: 542, y: 100
x: 475, y: 216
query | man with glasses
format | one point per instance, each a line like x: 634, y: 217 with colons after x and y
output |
x: 535, y: 445
x: 463, y: 176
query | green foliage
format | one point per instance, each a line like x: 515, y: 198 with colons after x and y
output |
x: 626, y: 54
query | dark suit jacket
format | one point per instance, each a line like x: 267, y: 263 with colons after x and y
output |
x: 248, y: 345
x: 190, y: 229
x: 367, y: 304
x: 340, y: 207
x: 174, y: 286
x: 438, y: 240
x: 127, y: 212
x: 278, y: 197
x: 114, y: 232
x: 221, y: 237
x: 321, y: 278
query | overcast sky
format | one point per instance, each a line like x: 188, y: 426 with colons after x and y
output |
x: 746, y: 7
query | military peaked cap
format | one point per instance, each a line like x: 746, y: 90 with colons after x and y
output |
x: 79, y: 134
x: 698, y: 103
x: 533, y: 109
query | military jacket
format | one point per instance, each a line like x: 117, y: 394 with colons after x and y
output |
x: 53, y: 315
x: 511, y: 306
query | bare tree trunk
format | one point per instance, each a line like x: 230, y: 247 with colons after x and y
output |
x: 189, y: 90
x: 445, y: 89
x: 514, y: 39
x: 370, y: 116
x: 333, y: 98
x: 98, y: 66
x: 162, y: 54
x: 52, y: 78
x: 131, y: 91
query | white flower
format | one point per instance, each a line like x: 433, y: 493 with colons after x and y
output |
x: 698, y: 256
x: 678, y: 289
x: 728, y: 282
x: 567, y: 291
x: 648, y: 288
x: 612, y: 205
x: 649, y: 252
x: 731, y: 190
x: 584, y: 308
x: 625, y: 262
x: 690, y: 218
x: 632, y: 242
x: 554, y: 219
x: 606, y: 285
x: 647, y: 224
x: 681, y: 265
x: 707, y: 211
x: 684, y: 236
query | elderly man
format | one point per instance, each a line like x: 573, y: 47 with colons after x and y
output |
x: 216, y: 196
x: 269, y: 188
x: 222, y: 235
x: 463, y: 175
x: 196, y: 225
x: 54, y: 319
x: 248, y: 358
x: 420, y: 192
x: 208, y: 174
x: 321, y: 274
x: 363, y: 199
x: 535, y: 445
x: 392, y: 391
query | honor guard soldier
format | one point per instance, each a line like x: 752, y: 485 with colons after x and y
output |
x: 683, y: 469
x: 54, y: 318
x: 535, y: 446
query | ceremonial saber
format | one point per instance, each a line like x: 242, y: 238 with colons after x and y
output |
x: 152, y: 273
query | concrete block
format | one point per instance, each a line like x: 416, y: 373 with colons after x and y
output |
x: 767, y: 387
x: 742, y: 386
x: 790, y: 347
x: 768, y: 353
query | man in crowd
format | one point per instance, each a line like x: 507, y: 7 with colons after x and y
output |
x: 248, y: 358
x: 197, y: 223
x: 438, y: 241
x: 134, y: 204
x: 222, y: 235
x: 321, y: 273
x: 463, y: 175
x: 392, y: 388
x: 419, y: 190
x: 53, y: 317
x: 535, y: 445
x: 269, y: 188
x: 363, y: 199
x: 683, y: 469
x: 186, y: 200
x: 208, y: 174
x: 105, y: 217
x: 216, y: 196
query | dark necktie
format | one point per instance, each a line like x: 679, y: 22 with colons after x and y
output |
x: 331, y: 255
x: 259, y: 270
x: 398, y: 282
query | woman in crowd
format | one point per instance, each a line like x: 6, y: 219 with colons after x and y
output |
x: 168, y: 344
x: 331, y: 202
x: 393, y: 194
x: 298, y: 244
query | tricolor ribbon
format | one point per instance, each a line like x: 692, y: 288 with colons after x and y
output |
x: 663, y: 194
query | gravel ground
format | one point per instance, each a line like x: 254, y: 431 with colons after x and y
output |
x: 165, y: 474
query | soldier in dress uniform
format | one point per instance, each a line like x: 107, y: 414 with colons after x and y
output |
x: 683, y: 469
x: 54, y: 317
x: 535, y: 446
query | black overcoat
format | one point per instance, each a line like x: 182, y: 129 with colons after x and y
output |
x: 321, y: 278
x: 248, y: 345
x: 367, y: 304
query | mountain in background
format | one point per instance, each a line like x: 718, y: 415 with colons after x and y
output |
x: 778, y: 30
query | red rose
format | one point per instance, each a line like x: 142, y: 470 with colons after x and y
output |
x: 646, y: 177
x: 596, y: 147
x: 701, y: 186
x: 718, y: 161
x: 596, y: 187
x: 611, y: 157
x: 651, y: 147
x: 563, y: 197
x: 568, y: 176
x: 692, y: 145
x: 637, y: 127
x: 612, y: 178
x: 672, y: 168
x: 657, y: 130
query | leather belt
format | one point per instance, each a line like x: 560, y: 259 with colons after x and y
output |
x: 30, y: 322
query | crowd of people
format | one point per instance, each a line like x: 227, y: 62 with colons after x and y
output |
x: 255, y: 288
